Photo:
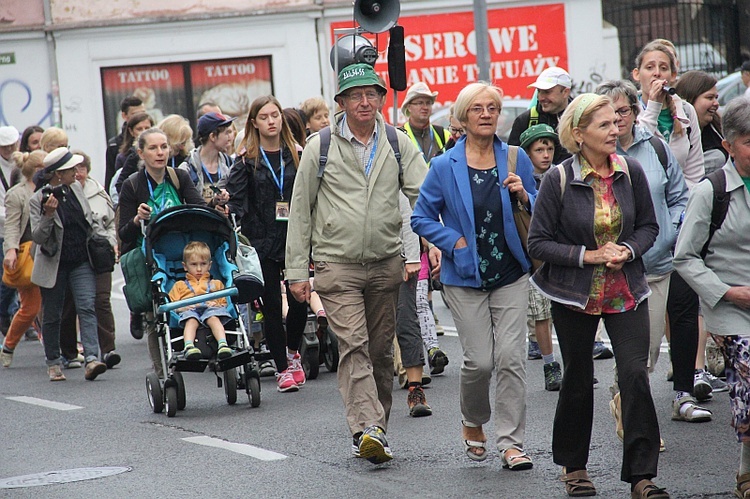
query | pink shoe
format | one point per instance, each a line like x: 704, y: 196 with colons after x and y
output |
x: 297, y: 371
x: 285, y: 382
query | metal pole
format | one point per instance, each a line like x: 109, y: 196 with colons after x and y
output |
x: 482, y: 39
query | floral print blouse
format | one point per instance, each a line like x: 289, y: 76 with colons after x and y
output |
x: 609, y: 293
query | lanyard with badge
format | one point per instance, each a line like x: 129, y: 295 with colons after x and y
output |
x: 282, y: 207
x: 209, y: 176
x: 163, y: 197
x: 368, y: 166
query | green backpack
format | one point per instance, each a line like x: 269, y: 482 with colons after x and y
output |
x: 137, y: 289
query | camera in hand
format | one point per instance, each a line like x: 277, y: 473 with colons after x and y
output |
x: 669, y: 90
x: 60, y: 191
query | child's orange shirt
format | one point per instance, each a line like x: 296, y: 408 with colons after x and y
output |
x: 181, y: 290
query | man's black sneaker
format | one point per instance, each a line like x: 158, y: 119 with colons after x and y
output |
x: 136, y: 326
x: 552, y: 376
x: 373, y: 446
x: 437, y: 360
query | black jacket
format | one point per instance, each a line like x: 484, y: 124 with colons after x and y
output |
x: 521, y: 123
x: 253, y: 196
x: 135, y: 191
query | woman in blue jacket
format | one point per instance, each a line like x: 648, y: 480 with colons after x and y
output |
x: 593, y: 221
x: 484, y: 269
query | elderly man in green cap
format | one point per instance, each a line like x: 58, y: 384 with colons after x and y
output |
x: 345, y: 213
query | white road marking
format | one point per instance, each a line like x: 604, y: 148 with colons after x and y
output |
x: 247, y: 450
x: 46, y: 403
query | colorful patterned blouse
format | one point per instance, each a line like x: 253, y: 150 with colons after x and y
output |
x: 609, y: 293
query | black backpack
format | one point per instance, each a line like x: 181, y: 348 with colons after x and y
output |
x: 720, y: 205
x: 325, y: 143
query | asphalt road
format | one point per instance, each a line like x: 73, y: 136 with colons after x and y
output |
x: 297, y: 444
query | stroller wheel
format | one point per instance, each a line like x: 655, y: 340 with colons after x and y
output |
x: 171, y: 397
x: 311, y: 362
x: 331, y: 351
x: 254, y: 394
x: 230, y: 385
x: 155, y: 395
x: 181, y: 398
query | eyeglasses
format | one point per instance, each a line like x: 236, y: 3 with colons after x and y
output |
x: 624, y: 112
x: 478, y: 110
x: 421, y: 103
x: 456, y: 131
x: 360, y: 96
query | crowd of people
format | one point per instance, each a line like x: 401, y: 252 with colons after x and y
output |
x: 595, y: 218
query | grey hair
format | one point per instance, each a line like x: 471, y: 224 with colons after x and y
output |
x: 735, y: 122
x: 470, y: 92
x: 615, y: 89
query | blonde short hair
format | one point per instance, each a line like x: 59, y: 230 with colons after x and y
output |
x: 196, y: 248
x: 470, y: 92
x: 179, y: 134
x: 52, y: 138
x: 565, y: 126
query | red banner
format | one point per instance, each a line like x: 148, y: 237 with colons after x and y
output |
x: 441, y: 48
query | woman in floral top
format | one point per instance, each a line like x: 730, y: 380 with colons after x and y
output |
x: 593, y: 221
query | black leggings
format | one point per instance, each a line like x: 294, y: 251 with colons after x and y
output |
x: 296, y: 318
x: 571, y: 436
x: 682, y: 308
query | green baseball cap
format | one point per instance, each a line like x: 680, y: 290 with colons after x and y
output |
x: 536, y: 132
x: 358, y: 75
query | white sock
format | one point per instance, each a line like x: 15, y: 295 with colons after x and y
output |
x: 745, y: 458
x: 289, y: 356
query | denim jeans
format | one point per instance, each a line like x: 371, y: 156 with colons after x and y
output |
x: 8, y: 295
x: 82, y: 280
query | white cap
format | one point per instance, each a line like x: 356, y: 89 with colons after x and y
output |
x: 8, y: 135
x: 552, y: 77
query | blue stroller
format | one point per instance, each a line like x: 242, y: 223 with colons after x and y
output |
x: 165, y: 239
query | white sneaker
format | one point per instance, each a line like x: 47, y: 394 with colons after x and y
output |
x: 6, y: 357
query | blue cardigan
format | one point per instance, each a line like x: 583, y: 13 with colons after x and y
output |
x: 446, y: 196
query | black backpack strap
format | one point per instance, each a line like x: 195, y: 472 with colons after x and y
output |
x: 661, y: 152
x: 325, y: 143
x: 392, y: 134
x: 720, y: 205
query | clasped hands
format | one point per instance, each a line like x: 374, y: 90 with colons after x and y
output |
x: 612, y: 254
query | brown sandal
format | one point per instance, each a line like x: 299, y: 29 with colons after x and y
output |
x: 742, y: 490
x: 578, y: 484
x: 645, y: 489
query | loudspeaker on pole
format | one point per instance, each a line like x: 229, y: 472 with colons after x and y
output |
x: 376, y: 16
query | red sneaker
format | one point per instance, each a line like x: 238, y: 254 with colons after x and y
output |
x: 296, y: 369
x: 285, y: 382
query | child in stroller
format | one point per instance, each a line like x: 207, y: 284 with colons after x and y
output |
x: 196, y: 260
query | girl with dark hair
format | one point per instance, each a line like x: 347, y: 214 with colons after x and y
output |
x: 699, y: 89
x: 260, y: 187
x: 127, y: 160
x: 31, y: 139
x: 296, y: 125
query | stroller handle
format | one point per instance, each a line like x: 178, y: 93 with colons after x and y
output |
x: 168, y: 307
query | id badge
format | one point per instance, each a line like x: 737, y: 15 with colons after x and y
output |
x: 282, y: 211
